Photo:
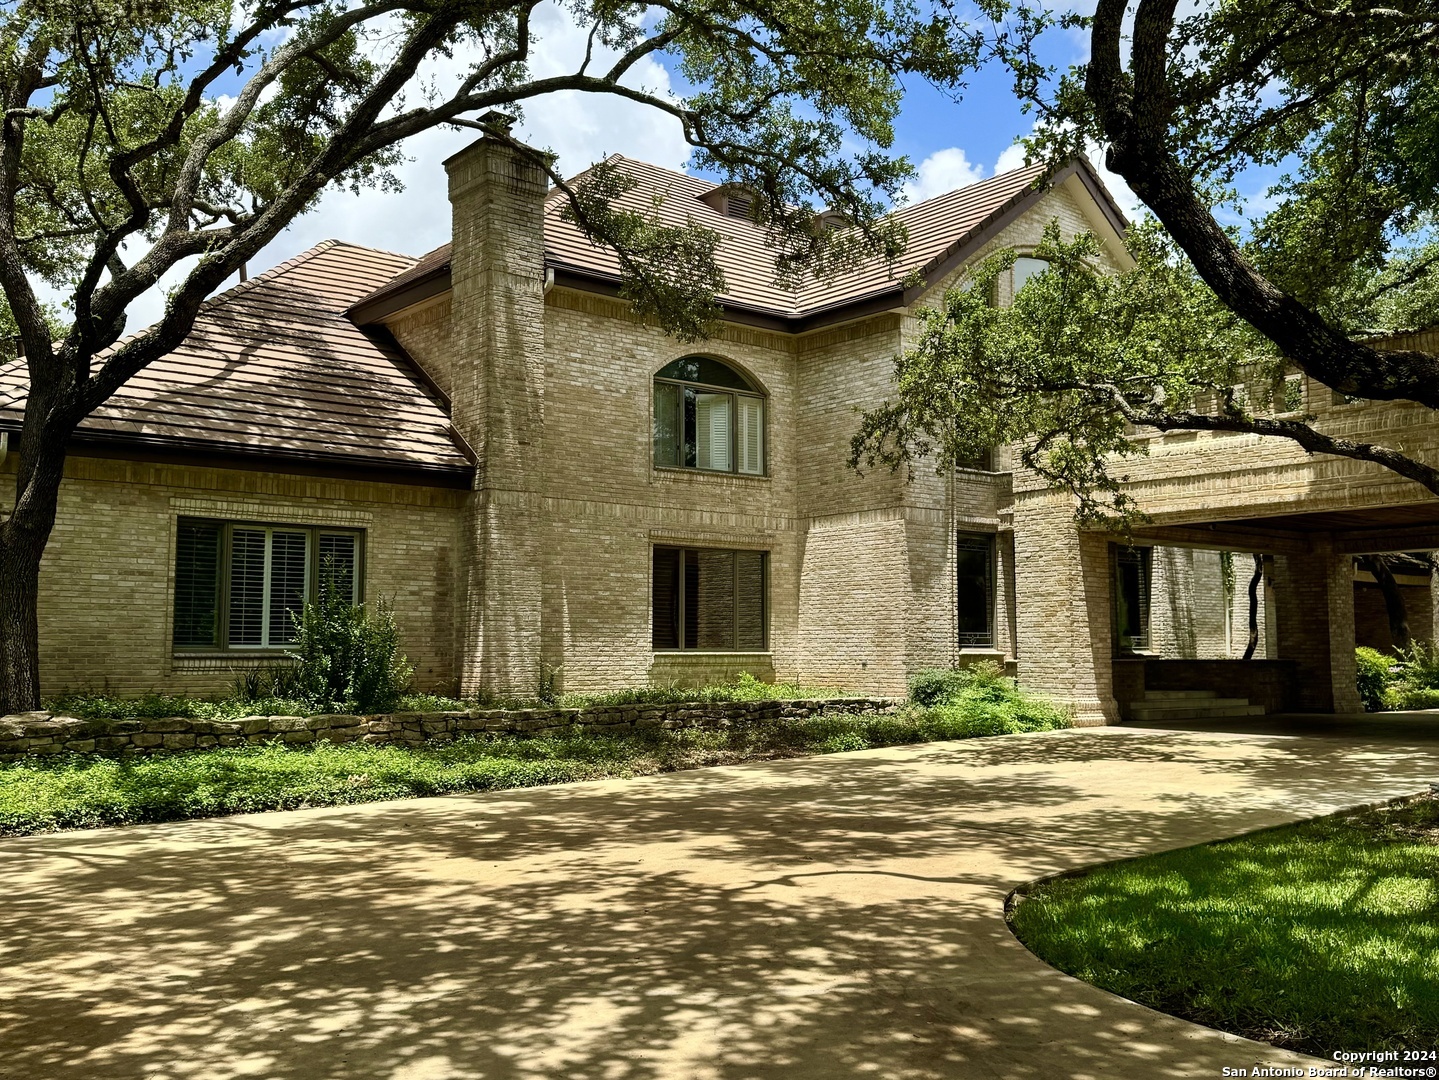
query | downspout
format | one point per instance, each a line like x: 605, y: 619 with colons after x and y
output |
x: 952, y: 542
x: 4, y: 446
x: 549, y: 279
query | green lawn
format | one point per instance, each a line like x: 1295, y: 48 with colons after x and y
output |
x: 85, y: 791
x: 1318, y: 937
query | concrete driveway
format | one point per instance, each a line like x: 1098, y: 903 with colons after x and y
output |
x: 835, y: 918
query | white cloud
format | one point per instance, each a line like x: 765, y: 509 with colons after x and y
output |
x: 943, y: 171
x: 1012, y: 157
x: 580, y: 128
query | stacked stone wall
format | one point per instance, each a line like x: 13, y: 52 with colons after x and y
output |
x: 41, y: 733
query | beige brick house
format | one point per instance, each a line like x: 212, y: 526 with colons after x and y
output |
x: 542, y: 483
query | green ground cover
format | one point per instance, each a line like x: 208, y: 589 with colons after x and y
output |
x: 1318, y: 937
x: 100, y: 705
x: 86, y: 791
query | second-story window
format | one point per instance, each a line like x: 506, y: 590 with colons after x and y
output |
x: 708, y: 416
x: 1026, y: 267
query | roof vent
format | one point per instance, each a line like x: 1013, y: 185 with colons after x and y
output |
x: 830, y: 220
x: 731, y: 200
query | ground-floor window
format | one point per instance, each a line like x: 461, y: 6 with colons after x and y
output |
x: 239, y: 586
x: 974, y: 589
x: 709, y: 599
x: 1131, y: 596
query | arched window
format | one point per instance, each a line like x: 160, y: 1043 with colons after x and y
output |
x: 708, y: 416
x: 1026, y: 267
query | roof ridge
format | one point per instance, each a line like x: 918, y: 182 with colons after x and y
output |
x: 374, y: 250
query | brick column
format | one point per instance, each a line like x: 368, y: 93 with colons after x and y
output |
x: 1063, y: 596
x: 1314, y: 610
x: 497, y: 280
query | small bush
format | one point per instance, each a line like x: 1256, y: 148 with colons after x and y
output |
x: 1420, y: 667
x: 1411, y: 697
x: 979, y: 700
x: 1375, y: 673
x: 348, y: 656
x: 946, y: 686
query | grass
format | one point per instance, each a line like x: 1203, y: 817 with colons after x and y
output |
x: 100, y: 705
x: 1318, y: 937
x: 85, y: 791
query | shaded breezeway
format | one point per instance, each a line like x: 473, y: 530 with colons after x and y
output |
x: 836, y: 917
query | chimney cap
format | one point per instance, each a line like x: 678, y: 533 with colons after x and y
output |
x: 500, y: 121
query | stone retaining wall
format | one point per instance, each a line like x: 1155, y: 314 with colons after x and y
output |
x: 46, y: 733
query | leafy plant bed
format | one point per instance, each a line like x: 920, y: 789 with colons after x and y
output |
x: 81, y: 791
x: 97, y: 705
x: 1318, y: 937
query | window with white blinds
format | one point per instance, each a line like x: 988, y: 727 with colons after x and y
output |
x: 242, y: 586
x: 708, y: 416
x: 709, y: 599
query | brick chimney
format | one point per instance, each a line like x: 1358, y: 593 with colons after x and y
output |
x: 497, y: 400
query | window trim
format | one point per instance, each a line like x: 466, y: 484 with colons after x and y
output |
x: 684, y: 549
x: 711, y: 388
x: 222, y: 600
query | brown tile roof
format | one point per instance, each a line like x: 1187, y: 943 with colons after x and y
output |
x: 938, y: 228
x: 273, y: 368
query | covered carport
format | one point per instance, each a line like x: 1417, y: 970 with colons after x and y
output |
x: 1309, y: 568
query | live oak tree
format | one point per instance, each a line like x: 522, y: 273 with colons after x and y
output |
x: 1340, y: 99
x: 147, y: 135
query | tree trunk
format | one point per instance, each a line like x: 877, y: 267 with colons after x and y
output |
x: 1394, y: 605
x: 23, y: 537
x: 1254, y: 581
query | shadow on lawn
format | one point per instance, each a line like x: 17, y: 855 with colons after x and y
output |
x: 833, y: 917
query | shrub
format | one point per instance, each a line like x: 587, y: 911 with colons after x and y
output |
x: 938, y: 686
x: 347, y: 656
x: 1375, y: 674
x: 1420, y: 668
x: 980, y: 700
x: 1411, y: 697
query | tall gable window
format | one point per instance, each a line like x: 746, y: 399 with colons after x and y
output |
x: 1026, y: 267
x: 708, y: 416
x: 240, y: 586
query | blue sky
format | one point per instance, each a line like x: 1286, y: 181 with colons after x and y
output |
x: 951, y: 145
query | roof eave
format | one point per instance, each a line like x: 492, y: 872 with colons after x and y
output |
x: 202, y: 452
x: 378, y: 307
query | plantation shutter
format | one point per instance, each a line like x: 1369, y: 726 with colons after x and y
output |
x: 749, y: 601
x: 197, y: 584
x: 712, y: 422
x: 751, y: 435
x: 247, y: 587
x: 289, y: 574
x: 339, y: 563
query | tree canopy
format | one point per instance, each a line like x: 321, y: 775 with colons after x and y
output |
x: 142, y: 136
x: 1339, y: 105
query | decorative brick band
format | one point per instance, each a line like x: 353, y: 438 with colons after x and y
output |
x: 37, y: 733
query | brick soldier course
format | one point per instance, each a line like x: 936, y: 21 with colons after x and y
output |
x: 484, y: 418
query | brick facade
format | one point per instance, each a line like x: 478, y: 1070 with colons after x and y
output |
x: 542, y: 572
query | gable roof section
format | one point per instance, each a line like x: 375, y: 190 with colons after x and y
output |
x: 943, y: 232
x: 274, y: 370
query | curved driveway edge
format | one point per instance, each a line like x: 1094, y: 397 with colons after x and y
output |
x: 835, y: 917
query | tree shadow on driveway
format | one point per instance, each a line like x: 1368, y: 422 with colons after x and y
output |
x: 829, y: 917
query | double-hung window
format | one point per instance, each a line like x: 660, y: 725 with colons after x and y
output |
x: 708, y: 599
x: 708, y: 416
x: 241, y: 585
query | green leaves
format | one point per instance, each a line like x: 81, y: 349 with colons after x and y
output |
x: 1063, y: 370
